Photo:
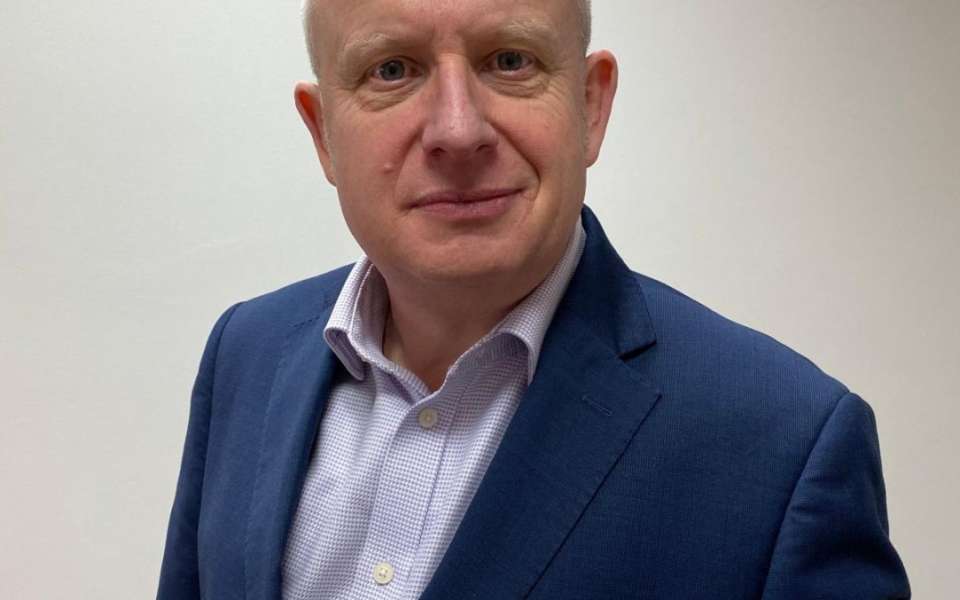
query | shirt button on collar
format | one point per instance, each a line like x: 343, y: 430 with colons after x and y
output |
x: 428, y: 418
x: 383, y: 573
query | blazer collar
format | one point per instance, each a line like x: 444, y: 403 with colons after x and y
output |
x: 605, y: 296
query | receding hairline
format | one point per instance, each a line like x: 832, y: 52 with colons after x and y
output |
x: 308, y: 11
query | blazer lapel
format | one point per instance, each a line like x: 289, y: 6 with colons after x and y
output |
x: 300, y: 389
x: 578, y: 416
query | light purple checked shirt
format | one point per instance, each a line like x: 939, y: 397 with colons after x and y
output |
x: 396, y: 466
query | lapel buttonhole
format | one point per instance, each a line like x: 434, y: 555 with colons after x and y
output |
x: 597, y: 406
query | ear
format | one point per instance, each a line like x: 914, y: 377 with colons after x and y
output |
x: 306, y: 95
x: 600, y: 88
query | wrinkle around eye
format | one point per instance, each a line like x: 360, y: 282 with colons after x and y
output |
x: 522, y: 88
x: 374, y: 100
x: 530, y: 69
x: 530, y: 80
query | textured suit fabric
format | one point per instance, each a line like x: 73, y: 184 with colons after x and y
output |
x: 661, y: 452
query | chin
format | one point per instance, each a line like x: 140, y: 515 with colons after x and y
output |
x: 474, y: 268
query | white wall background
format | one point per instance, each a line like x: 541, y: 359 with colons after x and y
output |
x: 794, y: 164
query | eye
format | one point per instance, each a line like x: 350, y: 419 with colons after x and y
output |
x: 511, y: 60
x: 391, y: 70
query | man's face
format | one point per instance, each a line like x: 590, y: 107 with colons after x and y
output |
x: 457, y: 132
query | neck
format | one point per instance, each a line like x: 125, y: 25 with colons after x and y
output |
x: 430, y: 324
x: 426, y: 331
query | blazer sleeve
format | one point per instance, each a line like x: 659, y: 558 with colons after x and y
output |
x: 179, y: 574
x: 833, y: 541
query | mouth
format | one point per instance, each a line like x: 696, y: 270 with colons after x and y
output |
x: 471, y: 204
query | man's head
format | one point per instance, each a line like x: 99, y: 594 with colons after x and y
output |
x: 458, y: 132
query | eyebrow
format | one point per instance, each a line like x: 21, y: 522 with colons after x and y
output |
x: 368, y: 44
x: 356, y: 50
x: 533, y: 31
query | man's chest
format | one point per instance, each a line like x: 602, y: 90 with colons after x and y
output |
x: 390, y: 477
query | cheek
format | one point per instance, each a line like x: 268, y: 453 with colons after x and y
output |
x: 369, y: 153
x: 368, y: 146
x: 368, y: 163
x: 548, y: 132
x: 364, y: 156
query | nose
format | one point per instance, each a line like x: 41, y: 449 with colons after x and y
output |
x: 456, y: 124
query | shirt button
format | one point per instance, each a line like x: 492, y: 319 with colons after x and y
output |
x: 428, y: 417
x: 383, y: 573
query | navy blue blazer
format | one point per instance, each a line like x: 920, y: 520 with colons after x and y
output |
x: 660, y: 452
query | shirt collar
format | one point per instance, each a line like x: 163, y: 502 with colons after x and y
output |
x: 355, y: 329
x: 529, y: 320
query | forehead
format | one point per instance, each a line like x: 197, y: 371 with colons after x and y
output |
x: 342, y: 22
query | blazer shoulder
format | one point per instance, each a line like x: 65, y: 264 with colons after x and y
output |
x: 733, y: 359
x: 256, y: 328
x: 296, y: 302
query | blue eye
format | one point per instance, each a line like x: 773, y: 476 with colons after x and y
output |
x: 392, y: 70
x: 511, y: 61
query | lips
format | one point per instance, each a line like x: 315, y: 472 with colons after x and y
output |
x: 464, y: 197
x: 470, y: 206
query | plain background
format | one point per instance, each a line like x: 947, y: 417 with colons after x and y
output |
x: 793, y: 164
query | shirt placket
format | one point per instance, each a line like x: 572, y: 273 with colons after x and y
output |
x: 408, y: 478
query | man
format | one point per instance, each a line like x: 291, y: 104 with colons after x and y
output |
x: 490, y: 404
